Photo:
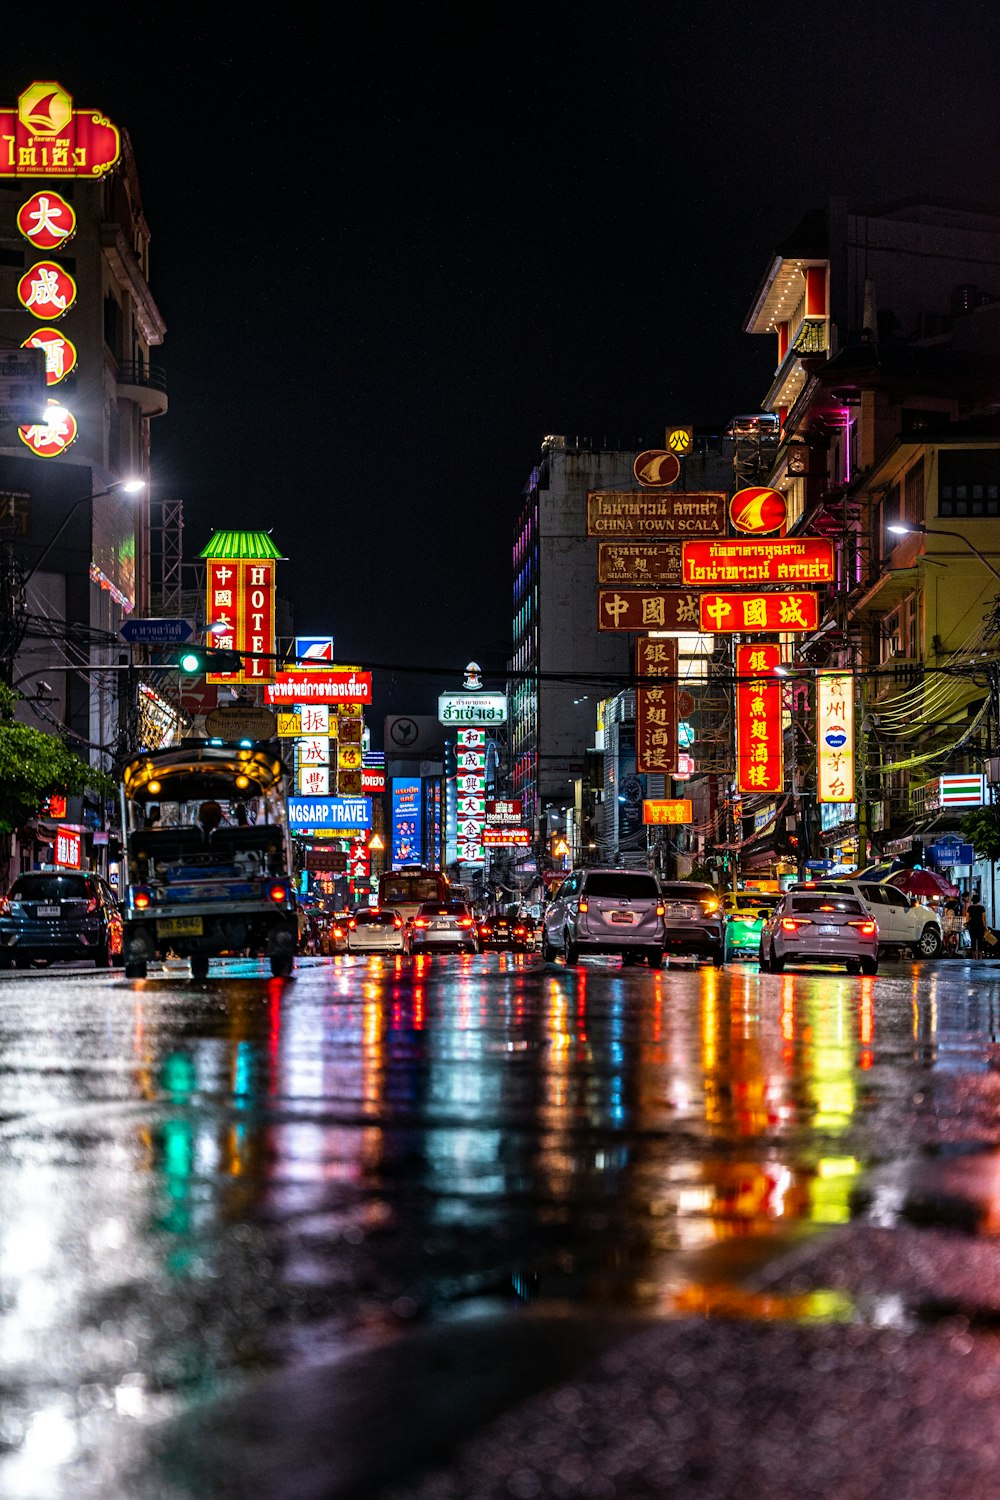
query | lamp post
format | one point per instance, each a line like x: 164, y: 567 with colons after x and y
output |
x: 127, y: 486
x: 909, y: 528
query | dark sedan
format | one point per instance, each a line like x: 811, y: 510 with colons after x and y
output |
x: 59, y: 916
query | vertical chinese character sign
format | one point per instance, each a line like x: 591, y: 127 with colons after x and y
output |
x: 759, y: 750
x: 240, y: 580
x: 470, y: 753
x: 656, y: 708
x: 835, y: 736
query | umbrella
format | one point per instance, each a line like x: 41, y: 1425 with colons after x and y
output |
x: 922, y: 883
x: 880, y: 872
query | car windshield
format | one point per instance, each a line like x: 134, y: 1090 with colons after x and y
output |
x: 622, y: 887
x: 687, y: 891
x: 825, y: 902
x: 444, y: 909
x: 375, y: 918
x: 744, y: 902
x: 409, y: 888
x: 50, y: 888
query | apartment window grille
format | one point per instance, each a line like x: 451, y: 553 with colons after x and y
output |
x: 968, y: 482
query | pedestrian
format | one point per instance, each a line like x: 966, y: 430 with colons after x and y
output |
x: 975, y: 923
x: 209, y: 816
x: 152, y: 816
x: 951, y: 922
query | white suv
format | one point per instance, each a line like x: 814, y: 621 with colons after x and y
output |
x: 902, y: 922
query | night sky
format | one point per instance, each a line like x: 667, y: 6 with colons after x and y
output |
x: 396, y: 245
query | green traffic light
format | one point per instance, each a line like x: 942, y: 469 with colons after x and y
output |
x: 191, y: 662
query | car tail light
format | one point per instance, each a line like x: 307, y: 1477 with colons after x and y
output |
x: 397, y: 922
x: 421, y: 922
x: 352, y: 924
x: 792, y: 924
x: 278, y: 893
x: 868, y: 927
x: 338, y: 932
x: 140, y: 899
x: 520, y: 931
x: 4, y: 905
x: 660, y: 909
x: 584, y: 904
x: 710, y: 906
x: 485, y: 930
x: 465, y: 921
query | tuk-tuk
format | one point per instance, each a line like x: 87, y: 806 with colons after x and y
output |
x: 207, y: 857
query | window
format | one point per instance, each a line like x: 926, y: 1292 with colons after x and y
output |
x: 969, y: 482
x: 623, y: 887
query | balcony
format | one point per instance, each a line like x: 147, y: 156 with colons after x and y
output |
x: 143, y: 384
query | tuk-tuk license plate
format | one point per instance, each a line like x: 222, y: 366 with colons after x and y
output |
x: 179, y: 927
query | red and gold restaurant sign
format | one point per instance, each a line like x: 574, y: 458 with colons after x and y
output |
x: 499, y: 837
x: 668, y: 810
x: 646, y: 609
x: 46, y: 290
x: 656, y: 467
x: 47, y: 220
x: 50, y: 439
x: 656, y: 708
x: 68, y: 848
x: 335, y: 686
x: 758, y: 510
x: 759, y: 749
x: 638, y: 513
x: 59, y: 352
x: 46, y: 137
x: 725, y: 614
x: 643, y: 563
x: 788, y: 560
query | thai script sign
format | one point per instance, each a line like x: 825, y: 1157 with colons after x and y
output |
x: 46, y: 137
x: 639, y: 513
x: 472, y: 708
x: 643, y: 563
x: 320, y: 687
x: 668, y: 810
x: 809, y: 560
x: 759, y: 749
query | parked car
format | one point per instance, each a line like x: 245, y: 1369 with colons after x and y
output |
x: 59, y: 916
x: 443, y: 925
x: 902, y: 922
x: 605, y: 911
x: 374, y: 929
x: 746, y: 912
x: 496, y: 932
x: 820, y: 927
x: 694, y: 920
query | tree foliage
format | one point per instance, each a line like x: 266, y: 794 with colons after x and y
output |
x: 981, y: 829
x: 33, y: 765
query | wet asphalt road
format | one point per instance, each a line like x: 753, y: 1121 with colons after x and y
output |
x: 209, y: 1187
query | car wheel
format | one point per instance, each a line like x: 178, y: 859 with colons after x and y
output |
x: 135, y: 968
x: 199, y: 966
x: 853, y: 966
x: 102, y: 958
x: 777, y: 964
x: 718, y: 958
x: 282, y: 965
x: 869, y: 966
x: 571, y: 953
x: 928, y: 945
x: 654, y: 958
x: 763, y: 961
x: 549, y: 952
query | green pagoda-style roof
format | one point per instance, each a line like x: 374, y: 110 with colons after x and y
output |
x: 240, y: 544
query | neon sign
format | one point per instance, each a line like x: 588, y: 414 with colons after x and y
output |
x: 46, y: 137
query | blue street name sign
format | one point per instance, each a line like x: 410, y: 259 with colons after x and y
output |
x: 329, y: 812
x: 948, y: 853
x: 819, y: 864
x: 156, y: 632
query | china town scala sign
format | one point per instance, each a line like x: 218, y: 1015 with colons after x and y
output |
x: 46, y: 137
x: 472, y: 708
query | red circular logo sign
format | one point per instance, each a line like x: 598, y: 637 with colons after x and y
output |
x: 656, y: 467
x: 758, y: 510
x: 59, y: 351
x: 47, y: 291
x: 50, y: 439
x: 46, y: 220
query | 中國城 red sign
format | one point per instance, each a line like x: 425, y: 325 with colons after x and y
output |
x: 47, y: 220
x: 320, y: 687
x: 758, y: 510
x: 806, y: 559
x: 725, y: 614
x: 240, y: 602
x: 759, y: 749
x: 46, y: 137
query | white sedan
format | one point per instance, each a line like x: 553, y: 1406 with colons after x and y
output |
x: 376, y: 930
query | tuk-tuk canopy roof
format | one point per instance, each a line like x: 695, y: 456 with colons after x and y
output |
x: 195, y: 772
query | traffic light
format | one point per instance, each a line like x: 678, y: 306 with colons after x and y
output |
x: 195, y: 661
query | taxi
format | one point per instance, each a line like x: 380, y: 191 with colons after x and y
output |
x: 746, y: 913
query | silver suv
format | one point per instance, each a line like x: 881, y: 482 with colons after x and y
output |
x: 605, y: 911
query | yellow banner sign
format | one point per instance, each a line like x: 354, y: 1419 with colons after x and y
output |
x: 835, y: 736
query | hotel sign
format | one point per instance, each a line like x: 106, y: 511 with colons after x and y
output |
x: 805, y: 560
x: 725, y: 614
x: 639, y: 513
x: 643, y: 563
x: 646, y: 609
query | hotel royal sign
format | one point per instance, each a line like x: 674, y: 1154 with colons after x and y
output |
x: 46, y: 137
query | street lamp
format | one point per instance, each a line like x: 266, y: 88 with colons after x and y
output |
x: 127, y: 486
x: 908, y: 528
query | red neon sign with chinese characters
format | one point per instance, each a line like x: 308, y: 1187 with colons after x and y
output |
x: 725, y: 614
x: 59, y: 352
x: 46, y: 137
x: 46, y: 220
x: 759, y: 749
x: 68, y: 849
x: 241, y: 600
x: 46, y: 290
x: 656, y: 707
x: 49, y: 439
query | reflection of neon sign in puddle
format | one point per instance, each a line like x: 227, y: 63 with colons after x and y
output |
x: 721, y: 1301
